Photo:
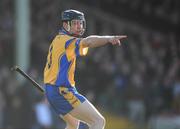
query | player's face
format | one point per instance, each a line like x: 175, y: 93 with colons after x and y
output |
x: 77, y: 27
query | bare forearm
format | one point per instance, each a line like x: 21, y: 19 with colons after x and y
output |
x: 95, y: 41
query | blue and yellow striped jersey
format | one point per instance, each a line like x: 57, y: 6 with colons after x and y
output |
x: 61, y: 60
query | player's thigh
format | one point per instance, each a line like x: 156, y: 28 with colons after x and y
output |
x: 86, y: 112
x: 70, y: 120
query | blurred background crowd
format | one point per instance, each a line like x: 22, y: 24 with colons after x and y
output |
x: 137, y: 84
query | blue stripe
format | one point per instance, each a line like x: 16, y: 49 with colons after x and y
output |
x: 77, y: 47
x: 62, y: 78
x: 68, y: 42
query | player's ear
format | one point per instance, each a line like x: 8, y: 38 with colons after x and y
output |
x: 66, y: 26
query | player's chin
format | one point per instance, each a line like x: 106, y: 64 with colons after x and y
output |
x: 79, y: 33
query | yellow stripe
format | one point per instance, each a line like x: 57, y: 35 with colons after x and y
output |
x: 69, y: 96
x: 70, y: 51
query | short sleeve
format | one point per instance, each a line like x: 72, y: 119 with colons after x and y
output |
x: 80, y: 50
x: 74, y: 48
